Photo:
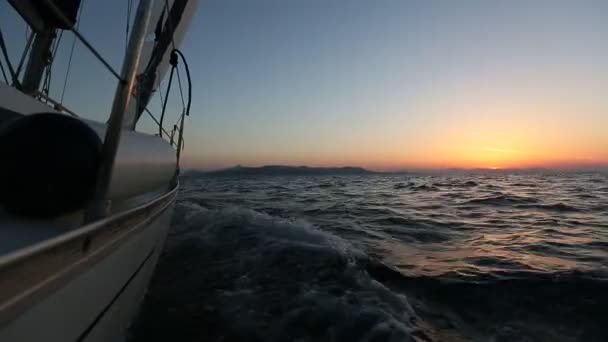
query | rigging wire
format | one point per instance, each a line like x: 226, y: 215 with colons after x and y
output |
x: 28, y: 44
x: 175, y: 50
x: 175, y: 53
x: 186, y: 112
x: 7, y: 59
x: 67, y: 72
x: 129, y: 6
x: 189, y: 79
x: 155, y: 120
x: 46, y: 88
x: 3, y: 72
x: 185, y: 109
x: 170, y: 24
x: 160, y: 93
x: 163, y: 102
x: 62, y: 18
x: 173, y: 62
x: 2, y: 66
x: 47, y: 72
x: 181, y: 92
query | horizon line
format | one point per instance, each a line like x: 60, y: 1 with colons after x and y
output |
x: 598, y: 167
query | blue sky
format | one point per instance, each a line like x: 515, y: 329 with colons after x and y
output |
x: 383, y: 84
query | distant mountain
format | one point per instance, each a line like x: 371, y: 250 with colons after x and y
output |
x: 283, y: 170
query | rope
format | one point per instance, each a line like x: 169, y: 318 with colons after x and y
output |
x: 67, y: 72
x: 173, y: 61
x: 179, y: 81
x: 181, y: 142
x: 185, y: 106
x: 189, y: 79
x: 173, y: 68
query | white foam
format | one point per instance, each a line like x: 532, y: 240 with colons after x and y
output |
x: 285, y: 278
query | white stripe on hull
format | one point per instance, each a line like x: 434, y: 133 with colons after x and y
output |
x: 99, y: 303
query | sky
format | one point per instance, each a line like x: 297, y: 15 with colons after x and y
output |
x: 383, y: 84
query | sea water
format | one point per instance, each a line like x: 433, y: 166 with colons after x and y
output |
x: 477, y: 257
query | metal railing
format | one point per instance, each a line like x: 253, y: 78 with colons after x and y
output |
x: 162, y: 132
x: 125, y: 91
x: 27, y: 276
x: 185, y: 111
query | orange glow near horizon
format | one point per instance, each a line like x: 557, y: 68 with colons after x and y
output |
x: 511, y: 143
x: 505, y: 87
x: 466, y: 157
x: 465, y: 130
x: 469, y: 140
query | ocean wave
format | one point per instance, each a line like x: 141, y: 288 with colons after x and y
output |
x: 257, y: 277
x: 456, y: 184
x: 502, y: 199
x: 415, y: 186
x: 412, y: 234
x: 487, y: 258
x: 557, y: 207
x: 526, y: 185
x: 586, y: 196
x: 497, y: 262
x: 514, y: 306
x: 492, y: 186
x: 467, y: 184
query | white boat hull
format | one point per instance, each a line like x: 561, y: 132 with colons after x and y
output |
x: 93, y: 296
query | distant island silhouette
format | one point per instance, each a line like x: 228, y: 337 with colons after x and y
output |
x: 288, y: 170
x: 282, y: 170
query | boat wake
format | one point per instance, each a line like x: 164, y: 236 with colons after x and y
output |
x: 235, y: 274
x: 244, y: 275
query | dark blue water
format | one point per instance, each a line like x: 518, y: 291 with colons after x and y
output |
x: 384, y: 258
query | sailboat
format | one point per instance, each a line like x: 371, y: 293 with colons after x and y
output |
x: 85, y: 206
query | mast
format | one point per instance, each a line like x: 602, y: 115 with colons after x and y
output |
x: 44, y: 17
x: 100, y: 207
x: 38, y: 60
